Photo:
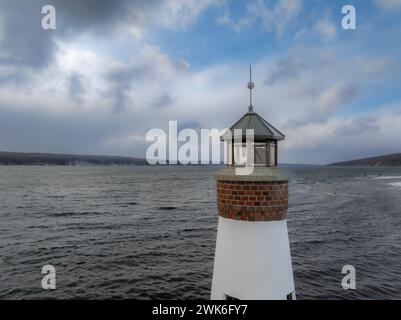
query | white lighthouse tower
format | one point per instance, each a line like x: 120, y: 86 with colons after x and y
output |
x: 252, y: 259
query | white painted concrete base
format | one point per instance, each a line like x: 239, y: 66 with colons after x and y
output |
x: 252, y: 261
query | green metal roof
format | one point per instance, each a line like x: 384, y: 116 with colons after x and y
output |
x: 263, y: 130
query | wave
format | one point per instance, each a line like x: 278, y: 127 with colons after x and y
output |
x: 386, y: 177
x: 395, y: 184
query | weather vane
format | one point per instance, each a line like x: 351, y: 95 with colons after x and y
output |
x: 251, y: 85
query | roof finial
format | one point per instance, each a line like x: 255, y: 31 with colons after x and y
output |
x: 251, y: 85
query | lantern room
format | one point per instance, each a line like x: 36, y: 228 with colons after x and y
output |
x: 263, y: 142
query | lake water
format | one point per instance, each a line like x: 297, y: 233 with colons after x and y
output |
x: 149, y: 232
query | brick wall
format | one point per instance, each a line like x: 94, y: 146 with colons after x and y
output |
x: 252, y: 201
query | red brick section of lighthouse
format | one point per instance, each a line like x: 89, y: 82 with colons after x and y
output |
x: 252, y: 200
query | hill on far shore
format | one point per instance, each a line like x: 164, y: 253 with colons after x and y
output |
x: 22, y: 158
x: 390, y: 160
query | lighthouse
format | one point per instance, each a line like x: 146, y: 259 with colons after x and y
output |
x: 252, y: 257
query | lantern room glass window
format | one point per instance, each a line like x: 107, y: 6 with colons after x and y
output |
x: 260, y: 155
x: 264, y: 154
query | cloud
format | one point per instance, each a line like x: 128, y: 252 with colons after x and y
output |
x: 149, y: 72
x: 225, y: 19
x: 345, y: 138
x: 326, y: 29
x: 320, y: 82
x: 76, y: 86
x: 32, y: 47
x: 163, y: 101
x: 35, y: 48
x: 389, y: 4
x: 276, y: 17
x: 189, y: 124
x: 286, y: 68
x: 121, y: 78
x: 335, y: 96
x: 358, y: 126
x: 182, y: 13
x: 28, y: 49
x: 93, y: 80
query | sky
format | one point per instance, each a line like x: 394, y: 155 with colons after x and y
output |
x: 112, y: 70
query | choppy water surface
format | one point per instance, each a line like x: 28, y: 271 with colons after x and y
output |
x: 149, y: 232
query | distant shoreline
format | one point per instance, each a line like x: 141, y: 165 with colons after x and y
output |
x: 390, y: 160
x: 55, y: 159
x: 44, y: 159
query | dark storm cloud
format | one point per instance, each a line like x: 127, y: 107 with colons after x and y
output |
x: 101, y: 16
x: 121, y: 79
x: 24, y: 42
x: 125, y: 74
x: 163, y: 101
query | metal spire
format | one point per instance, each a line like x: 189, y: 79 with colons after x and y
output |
x: 251, y: 85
